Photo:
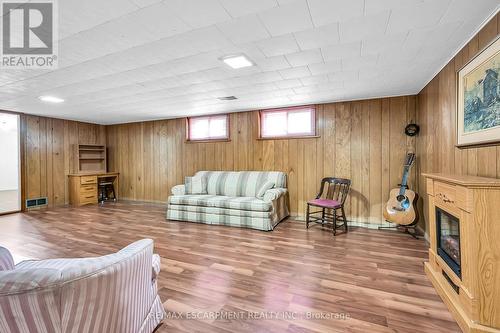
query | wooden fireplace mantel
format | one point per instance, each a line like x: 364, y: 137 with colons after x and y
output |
x: 473, y: 298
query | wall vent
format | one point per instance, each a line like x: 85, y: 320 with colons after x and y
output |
x: 37, y: 202
x: 227, y: 98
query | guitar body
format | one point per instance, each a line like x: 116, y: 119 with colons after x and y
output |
x: 402, y: 212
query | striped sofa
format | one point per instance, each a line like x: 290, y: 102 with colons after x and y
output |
x: 232, y: 200
x: 113, y: 293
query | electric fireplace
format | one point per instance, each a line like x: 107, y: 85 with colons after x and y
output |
x: 463, y: 264
x: 448, y: 239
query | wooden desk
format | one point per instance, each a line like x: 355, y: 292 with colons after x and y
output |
x: 83, y: 187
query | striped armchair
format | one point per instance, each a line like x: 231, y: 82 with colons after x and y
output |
x: 249, y: 199
x: 113, y: 293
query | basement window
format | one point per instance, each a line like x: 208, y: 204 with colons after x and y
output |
x: 293, y: 122
x: 208, y: 128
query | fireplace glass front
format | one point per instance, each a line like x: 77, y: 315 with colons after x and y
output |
x: 448, y: 239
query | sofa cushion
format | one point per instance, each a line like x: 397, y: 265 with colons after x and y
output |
x: 240, y: 184
x: 220, y: 201
x: 325, y: 203
x: 195, y: 185
x: 267, y: 185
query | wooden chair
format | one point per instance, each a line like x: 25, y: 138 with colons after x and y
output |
x: 335, y: 192
x: 105, y: 187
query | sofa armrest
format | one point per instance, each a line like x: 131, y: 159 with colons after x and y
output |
x: 156, y: 266
x: 274, y: 194
x: 74, y: 269
x: 21, y: 281
x: 6, y: 260
x: 179, y: 190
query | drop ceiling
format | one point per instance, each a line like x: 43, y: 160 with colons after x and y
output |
x: 131, y: 60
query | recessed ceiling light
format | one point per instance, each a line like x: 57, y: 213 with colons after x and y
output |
x: 237, y: 61
x: 51, y: 99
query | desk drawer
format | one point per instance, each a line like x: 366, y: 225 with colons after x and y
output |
x: 90, y: 198
x: 88, y: 189
x: 84, y: 180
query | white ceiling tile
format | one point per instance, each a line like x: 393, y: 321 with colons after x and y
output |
x: 151, y: 59
x: 78, y: 15
x: 198, y: 13
x: 219, y: 73
x: 440, y: 34
x: 344, y: 76
x: 362, y: 27
x: 384, y: 44
x: 203, y: 40
x: 325, y: 68
x: 272, y: 63
x: 266, y: 77
x: 320, y: 87
x: 244, y: 29
x: 376, y: 6
x: 142, y: 3
x: 304, y: 58
x: 353, y: 63
x: 278, y: 45
x: 192, y: 78
x: 420, y: 15
x: 238, y: 8
x: 157, y: 20
x: 251, y: 50
x: 315, y: 80
x: 328, y: 11
x: 305, y: 90
x: 290, y: 17
x: 284, y: 2
x: 296, y: 72
x: 455, y: 11
x: 143, y: 26
x: 318, y: 37
x: 341, y: 51
x: 290, y: 83
x: 398, y: 57
x: 367, y: 74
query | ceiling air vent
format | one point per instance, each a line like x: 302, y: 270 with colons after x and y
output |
x: 228, y: 98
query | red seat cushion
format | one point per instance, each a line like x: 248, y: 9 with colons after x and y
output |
x: 325, y: 203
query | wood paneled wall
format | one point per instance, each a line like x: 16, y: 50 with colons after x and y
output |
x: 49, y: 155
x: 361, y: 140
x: 436, y: 113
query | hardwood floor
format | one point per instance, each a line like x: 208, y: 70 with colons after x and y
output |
x: 374, y: 279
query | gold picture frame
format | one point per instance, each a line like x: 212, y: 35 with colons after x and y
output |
x: 478, y: 105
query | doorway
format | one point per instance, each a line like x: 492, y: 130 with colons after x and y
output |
x: 10, y: 172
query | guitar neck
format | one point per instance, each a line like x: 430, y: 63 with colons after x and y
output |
x: 404, y: 181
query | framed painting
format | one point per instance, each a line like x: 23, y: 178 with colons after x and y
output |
x: 478, y: 112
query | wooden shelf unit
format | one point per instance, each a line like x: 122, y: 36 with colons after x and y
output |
x: 91, y: 158
x: 474, y: 297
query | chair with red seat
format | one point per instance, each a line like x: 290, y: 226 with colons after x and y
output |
x: 330, y: 199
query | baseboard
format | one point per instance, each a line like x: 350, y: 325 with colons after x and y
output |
x: 422, y: 232
x: 302, y: 219
x: 157, y: 202
x: 361, y: 224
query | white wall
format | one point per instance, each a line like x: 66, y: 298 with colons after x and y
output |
x: 9, y: 152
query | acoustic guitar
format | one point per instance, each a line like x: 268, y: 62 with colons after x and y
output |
x: 401, y: 207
